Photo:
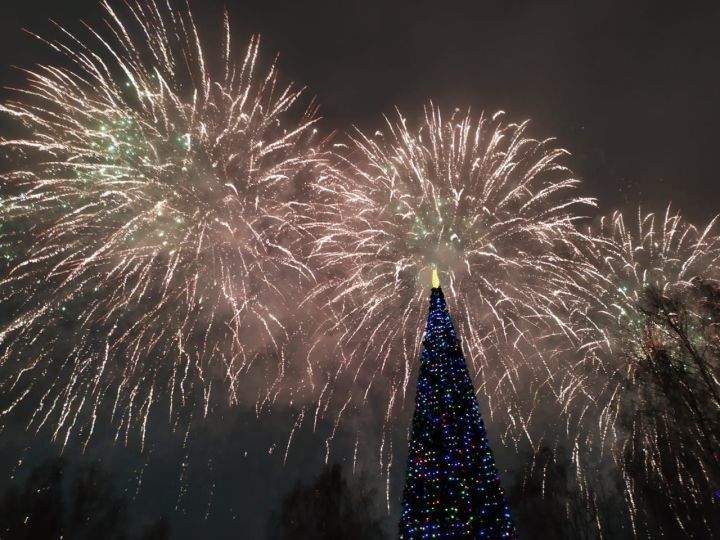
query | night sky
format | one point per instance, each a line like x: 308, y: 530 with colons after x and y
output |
x: 630, y: 88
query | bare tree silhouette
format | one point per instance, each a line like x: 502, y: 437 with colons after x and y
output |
x: 57, y: 501
x: 331, y: 508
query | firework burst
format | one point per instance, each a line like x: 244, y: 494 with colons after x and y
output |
x: 643, y: 381
x: 481, y: 201
x: 149, y: 225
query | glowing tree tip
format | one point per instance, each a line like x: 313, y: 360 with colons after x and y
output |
x: 435, y: 279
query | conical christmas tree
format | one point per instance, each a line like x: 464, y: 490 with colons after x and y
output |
x: 452, y: 488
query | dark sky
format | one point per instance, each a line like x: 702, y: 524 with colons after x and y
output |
x: 630, y: 88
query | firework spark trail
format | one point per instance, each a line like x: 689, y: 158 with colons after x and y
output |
x: 487, y: 205
x: 606, y: 385
x: 148, y: 229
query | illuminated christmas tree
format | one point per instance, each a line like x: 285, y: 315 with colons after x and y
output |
x: 452, y: 488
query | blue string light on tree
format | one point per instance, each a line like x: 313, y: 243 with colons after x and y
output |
x: 452, y: 487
